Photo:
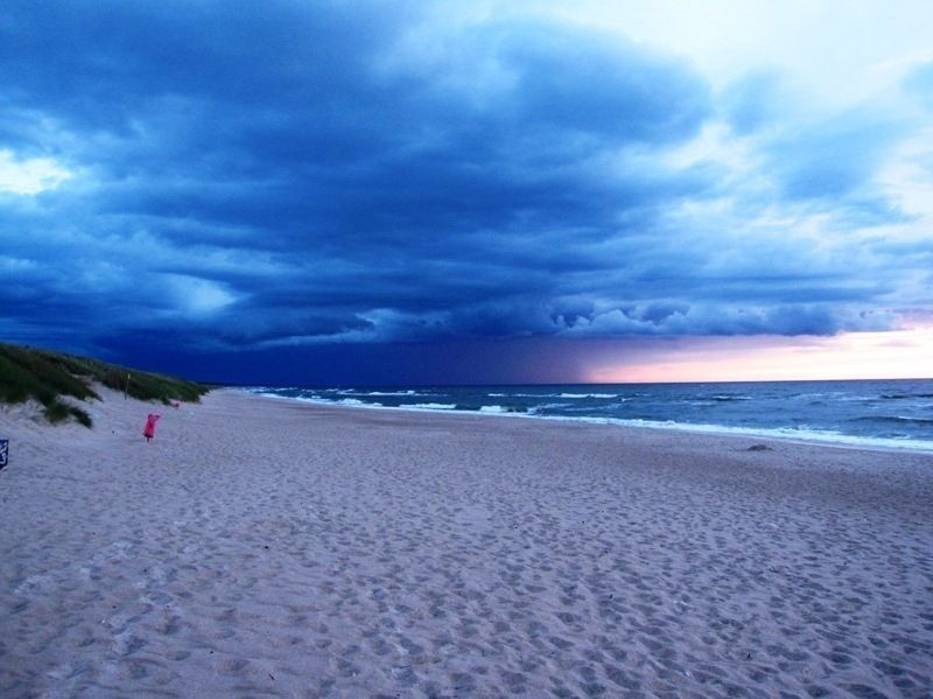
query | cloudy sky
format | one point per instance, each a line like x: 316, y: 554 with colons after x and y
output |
x: 393, y: 192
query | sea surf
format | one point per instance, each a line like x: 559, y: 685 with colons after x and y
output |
x: 892, y: 413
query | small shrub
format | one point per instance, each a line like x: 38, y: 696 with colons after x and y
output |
x: 81, y: 416
x: 56, y: 411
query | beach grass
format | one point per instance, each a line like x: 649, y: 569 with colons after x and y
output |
x: 46, y: 376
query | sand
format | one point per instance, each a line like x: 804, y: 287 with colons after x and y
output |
x: 260, y: 547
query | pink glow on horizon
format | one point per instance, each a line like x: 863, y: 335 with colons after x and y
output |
x: 897, y: 354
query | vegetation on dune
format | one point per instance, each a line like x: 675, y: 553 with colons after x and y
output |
x: 46, y: 376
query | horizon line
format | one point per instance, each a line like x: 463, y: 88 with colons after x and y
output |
x: 226, y: 384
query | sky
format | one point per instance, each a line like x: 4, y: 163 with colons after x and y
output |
x: 402, y: 192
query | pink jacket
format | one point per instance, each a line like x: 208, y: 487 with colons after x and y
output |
x: 150, y: 425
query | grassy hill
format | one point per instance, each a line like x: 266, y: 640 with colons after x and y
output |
x: 46, y: 376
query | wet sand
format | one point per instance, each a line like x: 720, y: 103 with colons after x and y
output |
x: 260, y: 547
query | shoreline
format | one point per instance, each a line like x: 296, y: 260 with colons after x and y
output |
x: 842, y: 441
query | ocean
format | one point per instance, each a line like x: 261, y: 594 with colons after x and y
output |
x: 869, y: 413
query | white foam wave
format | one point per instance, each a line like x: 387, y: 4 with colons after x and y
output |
x: 557, y: 395
x: 802, y: 433
x: 320, y: 400
x: 586, y: 395
x: 534, y: 410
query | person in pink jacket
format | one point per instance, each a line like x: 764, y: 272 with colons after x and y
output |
x: 149, y: 431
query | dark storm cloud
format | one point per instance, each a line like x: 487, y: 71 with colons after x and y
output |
x: 261, y: 176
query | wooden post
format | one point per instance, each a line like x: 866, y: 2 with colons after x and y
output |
x: 126, y: 385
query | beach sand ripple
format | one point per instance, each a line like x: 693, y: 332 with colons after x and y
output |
x: 264, y: 548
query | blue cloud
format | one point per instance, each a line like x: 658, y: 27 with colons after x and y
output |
x: 919, y: 82
x: 832, y: 158
x: 753, y: 102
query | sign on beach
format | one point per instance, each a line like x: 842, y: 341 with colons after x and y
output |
x: 4, y: 452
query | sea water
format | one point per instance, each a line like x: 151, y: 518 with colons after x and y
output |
x: 897, y: 413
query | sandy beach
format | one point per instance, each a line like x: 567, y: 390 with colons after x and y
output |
x: 262, y: 547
